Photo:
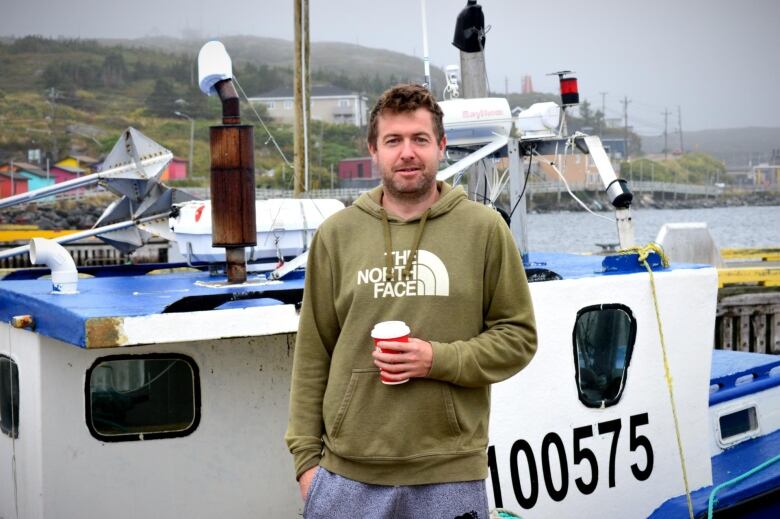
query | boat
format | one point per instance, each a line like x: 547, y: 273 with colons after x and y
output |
x: 162, y: 390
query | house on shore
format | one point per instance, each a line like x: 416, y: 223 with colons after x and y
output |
x: 12, y: 184
x: 83, y: 163
x: 330, y: 104
x: 36, y: 177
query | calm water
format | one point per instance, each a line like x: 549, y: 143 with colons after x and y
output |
x: 580, y: 231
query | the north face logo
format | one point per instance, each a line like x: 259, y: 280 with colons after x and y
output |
x: 427, y: 277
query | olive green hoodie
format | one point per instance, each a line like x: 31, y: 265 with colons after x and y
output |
x: 466, y: 293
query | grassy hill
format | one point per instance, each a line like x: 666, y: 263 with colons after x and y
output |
x: 71, y: 95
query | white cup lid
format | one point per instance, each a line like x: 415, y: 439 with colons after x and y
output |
x: 390, y: 330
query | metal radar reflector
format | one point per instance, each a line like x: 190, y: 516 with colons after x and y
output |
x: 570, y: 94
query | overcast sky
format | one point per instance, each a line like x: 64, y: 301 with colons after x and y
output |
x: 719, y: 60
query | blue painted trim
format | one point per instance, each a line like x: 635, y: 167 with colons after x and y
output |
x: 629, y: 263
x: 574, y: 266
x: 737, y: 460
x: 747, y: 388
x: 746, y: 475
x: 729, y: 366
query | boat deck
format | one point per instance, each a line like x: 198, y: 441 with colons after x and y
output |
x: 106, y: 307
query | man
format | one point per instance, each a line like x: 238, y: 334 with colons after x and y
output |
x: 418, y: 251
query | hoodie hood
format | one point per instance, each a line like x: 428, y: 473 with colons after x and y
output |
x: 449, y: 197
x: 370, y: 202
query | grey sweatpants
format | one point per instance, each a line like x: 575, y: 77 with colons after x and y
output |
x: 335, y: 497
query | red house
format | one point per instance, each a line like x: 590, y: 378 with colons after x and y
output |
x: 12, y: 185
x: 361, y: 167
x: 176, y: 170
x: 63, y: 173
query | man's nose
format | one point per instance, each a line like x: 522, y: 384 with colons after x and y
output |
x: 407, y: 151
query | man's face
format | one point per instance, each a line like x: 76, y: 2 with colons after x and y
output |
x: 407, y: 154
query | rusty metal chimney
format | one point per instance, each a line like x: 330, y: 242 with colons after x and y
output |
x: 232, y: 184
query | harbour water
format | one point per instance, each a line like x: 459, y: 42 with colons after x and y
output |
x: 579, y: 232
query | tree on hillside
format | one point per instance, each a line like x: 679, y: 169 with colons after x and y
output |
x: 161, y: 101
x: 143, y: 70
x: 259, y: 79
x: 196, y: 104
x: 114, y: 70
x: 70, y: 74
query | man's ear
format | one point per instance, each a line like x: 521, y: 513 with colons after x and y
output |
x: 442, y: 146
x: 372, y: 151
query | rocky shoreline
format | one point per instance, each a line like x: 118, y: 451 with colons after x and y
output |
x: 549, y: 203
x: 83, y: 213
x: 65, y: 214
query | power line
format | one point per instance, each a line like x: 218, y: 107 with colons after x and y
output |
x: 666, y: 133
x: 625, y: 125
x: 679, y: 127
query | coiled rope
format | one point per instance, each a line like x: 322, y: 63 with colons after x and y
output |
x: 642, y: 254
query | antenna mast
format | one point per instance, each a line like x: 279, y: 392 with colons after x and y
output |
x: 426, y: 57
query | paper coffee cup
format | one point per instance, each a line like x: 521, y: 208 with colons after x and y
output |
x: 396, y: 331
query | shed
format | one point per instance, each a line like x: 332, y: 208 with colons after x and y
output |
x: 359, y: 167
x: 11, y: 184
x: 63, y: 173
x: 176, y: 169
x: 37, y: 178
x: 82, y: 162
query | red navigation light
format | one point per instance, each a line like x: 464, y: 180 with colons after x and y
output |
x: 570, y: 95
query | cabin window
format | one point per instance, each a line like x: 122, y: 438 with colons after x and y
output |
x: 603, y: 341
x: 9, y: 397
x: 142, y: 397
x: 735, y: 426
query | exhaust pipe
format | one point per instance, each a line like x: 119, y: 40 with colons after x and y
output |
x: 64, y: 276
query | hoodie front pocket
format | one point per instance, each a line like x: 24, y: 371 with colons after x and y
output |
x: 374, y: 420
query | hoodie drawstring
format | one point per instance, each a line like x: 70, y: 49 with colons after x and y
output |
x: 413, y: 256
x: 389, y: 274
x: 388, y: 247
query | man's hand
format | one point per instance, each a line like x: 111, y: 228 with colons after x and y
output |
x: 304, y: 482
x: 414, y: 359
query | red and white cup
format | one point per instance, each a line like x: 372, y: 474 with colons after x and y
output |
x: 394, y: 331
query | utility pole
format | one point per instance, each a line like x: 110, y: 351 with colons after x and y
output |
x: 53, y: 94
x: 603, y: 114
x: 666, y: 113
x: 301, y: 99
x: 626, y: 100
x: 679, y: 127
x: 506, y: 86
x: 190, y: 172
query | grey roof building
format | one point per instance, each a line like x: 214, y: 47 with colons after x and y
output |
x: 329, y: 104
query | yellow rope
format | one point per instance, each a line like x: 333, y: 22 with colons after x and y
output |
x: 643, y: 253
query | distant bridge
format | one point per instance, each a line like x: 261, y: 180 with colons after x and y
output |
x: 347, y: 194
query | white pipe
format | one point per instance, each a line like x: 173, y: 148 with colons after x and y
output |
x: 64, y: 276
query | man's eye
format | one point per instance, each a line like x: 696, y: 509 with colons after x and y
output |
x: 391, y: 142
x: 422, y: 140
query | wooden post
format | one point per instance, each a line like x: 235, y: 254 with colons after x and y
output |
x: 299, y: 90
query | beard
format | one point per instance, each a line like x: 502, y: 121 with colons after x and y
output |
x: 411, y: 190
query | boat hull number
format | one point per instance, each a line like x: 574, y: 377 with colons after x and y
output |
x: 553, y: 450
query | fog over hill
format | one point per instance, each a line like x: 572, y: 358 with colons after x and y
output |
x: 738, y: 147
x: 353, y: 60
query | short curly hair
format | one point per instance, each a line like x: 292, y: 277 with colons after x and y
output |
x: 405, y: 98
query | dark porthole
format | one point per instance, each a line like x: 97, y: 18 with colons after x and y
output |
x: 9, y: 397
x: 603, y: 342
x: 142, y: 397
